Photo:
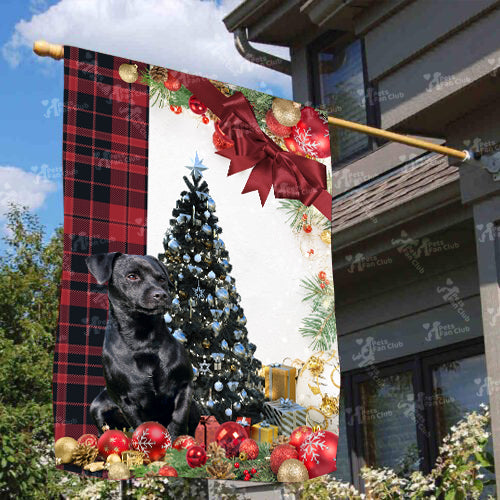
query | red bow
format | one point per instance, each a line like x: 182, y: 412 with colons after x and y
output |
x: 291, y: 176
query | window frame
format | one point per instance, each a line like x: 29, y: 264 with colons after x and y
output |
x: 420, y: 364
x: 338, y: 39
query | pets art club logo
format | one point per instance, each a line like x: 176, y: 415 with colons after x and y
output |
x: 361, y: 414
x: 369, y: 348
x: 360, y: 262
x: 486, y: 386
x: 438, y: 81
x: 373, y: 96
x: 346, y: 179
x: 437, y: 330
x: 416, y: 248
x: 487, y: 232
x: 450, y: 293
x: 494, y: 316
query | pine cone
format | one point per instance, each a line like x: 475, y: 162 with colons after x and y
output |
x: 84, y: 455
x: 220, y: 469
x: 215, y: 452
x: 158, y: 74
x: 279, y: 440
x: 222, y: 87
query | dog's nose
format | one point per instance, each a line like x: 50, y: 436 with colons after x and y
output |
x: 160, y: 295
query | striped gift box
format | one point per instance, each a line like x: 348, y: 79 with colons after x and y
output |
x: 286, y: 414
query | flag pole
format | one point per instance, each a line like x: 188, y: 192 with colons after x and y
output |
x: 45, y: 49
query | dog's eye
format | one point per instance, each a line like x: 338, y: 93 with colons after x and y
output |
x: 162, y: 278
x: 133, y: 277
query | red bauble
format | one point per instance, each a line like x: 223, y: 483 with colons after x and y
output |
x: 172, y: 83
x: 168, y: 471
x: 153, y: 439
x: 311, y: 134
x: 184, y: 442
x: 319, y: 453
x: 196, y: 106
x: 196, y: 456
x: 176, y: 109
x: 205, y: 119
x: 112, y: 441
x: 89, y: 440
x: 275, y: 126
x: 220, y: 140
x: 292, y: 146
x: 250, y: 447
x: 307, y: 228
x: 281, y: 453
x: 298, y: 435
x: 230, y: 436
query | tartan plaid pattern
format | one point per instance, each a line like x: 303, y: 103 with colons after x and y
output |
x: 105, y: 163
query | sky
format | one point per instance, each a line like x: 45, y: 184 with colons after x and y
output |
x: 186, y: 35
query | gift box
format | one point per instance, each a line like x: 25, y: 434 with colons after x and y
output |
x: 286, y: 414
x: 264, y: 432
x: 245, y: 422
x: 280, y: 381
x: 206, y: 431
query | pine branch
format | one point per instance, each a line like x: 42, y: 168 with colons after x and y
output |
x: 320, y: 327
x: 161, y: 96
x: 295, y: 210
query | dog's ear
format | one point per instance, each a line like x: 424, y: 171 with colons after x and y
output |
x: 100, y: 266
x: 164, y: 267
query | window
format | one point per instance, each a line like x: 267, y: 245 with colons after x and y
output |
x: 397, y: 413
x: 339, y: 85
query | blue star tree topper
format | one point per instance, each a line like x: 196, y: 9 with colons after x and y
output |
x: 197, y: 167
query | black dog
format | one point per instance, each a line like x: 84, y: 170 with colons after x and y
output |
x: 147, y: 371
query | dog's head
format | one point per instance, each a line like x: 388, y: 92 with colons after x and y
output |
x: 139, y: 283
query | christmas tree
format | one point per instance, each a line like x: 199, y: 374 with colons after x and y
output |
x: 206, y: 314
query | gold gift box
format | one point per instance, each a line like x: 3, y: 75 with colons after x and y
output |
x: 264, y: 434
x: 280, y: 381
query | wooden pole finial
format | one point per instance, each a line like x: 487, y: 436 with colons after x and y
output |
x: 43, y: 49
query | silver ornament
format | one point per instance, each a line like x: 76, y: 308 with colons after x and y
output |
x: 233, y: 385
x: 210, y: 403
x: 176, y: 302
x: 180, y: 276
x: 238, y: 334
x: 237, y: 406
x: 227, y: 311
x: 174, y: 245
x: 222, y: 294
x: 179, y: 335
x: 206, y: 229
x: 239, y: 349
x: 228, y: 412
x: 211, y: 204
x: 216, y: 326
x: 197, y: 257
x: 243, y: 393
x: 224, y: 345
x: 186, y: 258
x: 188, y: 237
x: 216, y: 313
x: 206, y: 214
x: 167, y: 318
x: 211, y: 275
x: 210, y: 299
x: 218, y: 386
x: 242, y: 320
x: 228, y: 279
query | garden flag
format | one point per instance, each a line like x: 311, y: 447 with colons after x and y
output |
x: 196, y: 329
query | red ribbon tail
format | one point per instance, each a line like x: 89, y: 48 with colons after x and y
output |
x: 261, y: 180
x: 323, y: 203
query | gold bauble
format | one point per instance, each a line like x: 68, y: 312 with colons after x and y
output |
x: 326, y: 237
x: 329, y: 406
x: 128, y: 72
x: 118, y: 471
x: 286, y: 112
x: 292, y: 471
x: 64, y: 449
x: 113, y: 459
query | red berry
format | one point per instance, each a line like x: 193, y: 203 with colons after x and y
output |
x: 304, y: 217
x: 253, y: 471
x: 322, y: 285
x: 176, y: 109
x: 246, y: 478
x: 322, y: 275
x: 205, y: 119
x: 327, y: 282
x: 245, y: 472
x: 307, y: 228
x: 237, y: 465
